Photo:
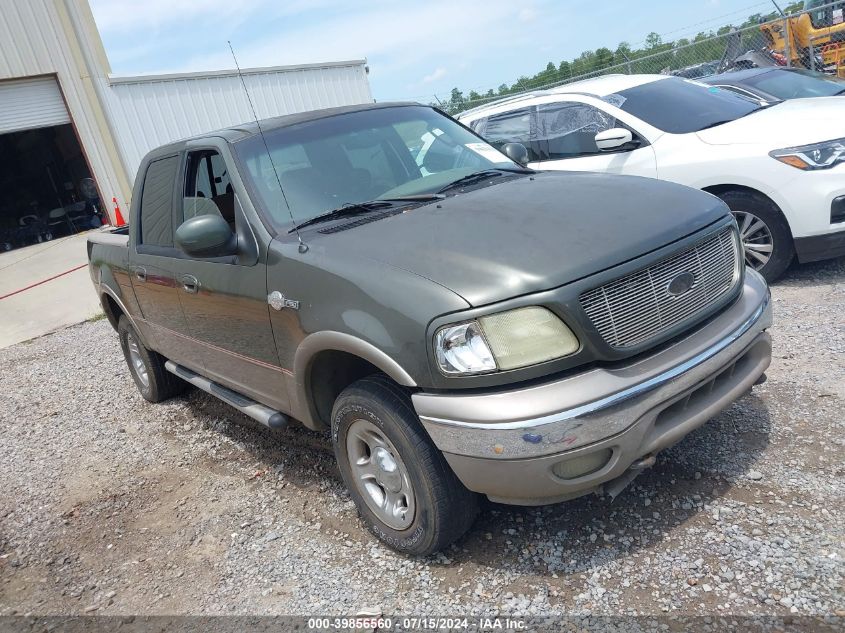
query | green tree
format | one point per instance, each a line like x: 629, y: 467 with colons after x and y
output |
x: 604, y: 58
x: 653, y: 40
x: 456, y: 101
x: 564, y: 70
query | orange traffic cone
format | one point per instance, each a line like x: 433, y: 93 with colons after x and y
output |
x: 118, y: 216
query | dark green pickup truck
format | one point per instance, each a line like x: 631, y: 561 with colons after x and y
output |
x: 462, y: 325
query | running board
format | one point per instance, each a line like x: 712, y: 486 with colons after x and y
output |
x: 257, y: 411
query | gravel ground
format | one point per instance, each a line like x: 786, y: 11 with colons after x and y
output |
x: 111, y: 505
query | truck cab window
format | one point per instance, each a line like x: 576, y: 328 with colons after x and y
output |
x: 157, y: 202
x: 207, y: 187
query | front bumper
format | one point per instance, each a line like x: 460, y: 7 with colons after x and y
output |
x: 808, y: 200
x: 818, y: 247
x: 506, y: 444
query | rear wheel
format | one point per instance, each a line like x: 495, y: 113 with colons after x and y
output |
x: 402, y: 486
x: 765, y: 234
x: 146, y: 366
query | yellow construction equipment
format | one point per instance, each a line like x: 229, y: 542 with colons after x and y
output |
x: 815, y: 39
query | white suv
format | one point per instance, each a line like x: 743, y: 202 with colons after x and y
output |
x: 781, y: 169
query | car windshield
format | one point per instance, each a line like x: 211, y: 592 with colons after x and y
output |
x: 343, y: 160
x: 798, y: 83
x: 681, y: 106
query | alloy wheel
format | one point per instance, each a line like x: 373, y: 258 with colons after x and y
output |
x: 756, y: 237
x: 380, y: 475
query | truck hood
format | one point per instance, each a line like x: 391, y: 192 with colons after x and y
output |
x: 532, y: 234
x: 790, y: 123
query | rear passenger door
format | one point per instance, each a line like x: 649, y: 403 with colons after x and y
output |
x: 225, y: 299
x: 152, y: 258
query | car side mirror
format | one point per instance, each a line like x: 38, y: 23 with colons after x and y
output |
x: 613, y: 139
x: 206, y: 236
x: 516, y: 152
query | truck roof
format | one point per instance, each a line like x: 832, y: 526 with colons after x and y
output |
x: 239, y: 132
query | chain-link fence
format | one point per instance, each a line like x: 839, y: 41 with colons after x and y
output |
x: 808, y: 35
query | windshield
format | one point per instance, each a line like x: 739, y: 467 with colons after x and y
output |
x: 680, y: 106
x: 796, y: 84
x: 361, y: 156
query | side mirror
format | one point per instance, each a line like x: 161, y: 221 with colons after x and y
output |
x: 206, y: 236
x: 516, y: 152
x: 613, y: 139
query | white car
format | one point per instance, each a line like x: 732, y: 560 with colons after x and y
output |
x: 781, y: 168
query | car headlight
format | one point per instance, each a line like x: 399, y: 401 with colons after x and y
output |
x: 507, y: 340
x: 811, y: 157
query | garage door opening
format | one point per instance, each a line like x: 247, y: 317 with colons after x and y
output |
x: 46, y: 189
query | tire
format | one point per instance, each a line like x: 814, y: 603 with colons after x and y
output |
x: 750, y: 209
x: 48, y: 236
x: 146, y: 366
x: 442, y: 508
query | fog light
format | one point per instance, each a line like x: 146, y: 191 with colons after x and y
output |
x: 582, y: 465
x: 837, y: 210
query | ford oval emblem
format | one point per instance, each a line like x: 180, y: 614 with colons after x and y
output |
x: 681, y: 284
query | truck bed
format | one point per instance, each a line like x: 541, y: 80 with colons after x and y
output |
x: 113, y: 237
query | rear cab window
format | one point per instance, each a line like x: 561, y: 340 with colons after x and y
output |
x: 156, y: 220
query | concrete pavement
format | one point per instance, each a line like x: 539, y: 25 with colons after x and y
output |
x: 49, y: 306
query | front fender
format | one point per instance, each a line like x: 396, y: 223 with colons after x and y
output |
x: 340, y: 342
x: 331, y: 341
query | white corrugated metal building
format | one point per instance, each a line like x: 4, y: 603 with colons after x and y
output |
x: 65, y: 119
x: 148, y: 111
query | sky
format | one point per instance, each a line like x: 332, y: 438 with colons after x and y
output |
x: 415, y: 50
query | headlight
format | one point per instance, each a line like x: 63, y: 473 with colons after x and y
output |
x: 507, y: 340
x: 810, y: 157
x: 461, y: 349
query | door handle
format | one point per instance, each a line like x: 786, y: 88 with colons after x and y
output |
x: 190, y: 283
x: 140, y: 273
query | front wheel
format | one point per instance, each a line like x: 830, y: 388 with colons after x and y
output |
x: 764, y: 232
x: 401, y: 484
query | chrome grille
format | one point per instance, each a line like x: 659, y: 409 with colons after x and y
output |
x: 639, y: 306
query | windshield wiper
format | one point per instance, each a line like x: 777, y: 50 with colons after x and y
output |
x: 356, y: 208
x: 478, y: 176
